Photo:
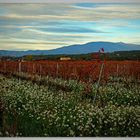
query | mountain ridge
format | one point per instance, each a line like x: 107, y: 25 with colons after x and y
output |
x: 76, y: 49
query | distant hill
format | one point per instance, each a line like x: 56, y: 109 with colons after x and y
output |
x: 117, y: 55
x: 76, y: 49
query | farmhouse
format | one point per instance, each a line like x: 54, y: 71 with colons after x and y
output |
x: 65, y: 58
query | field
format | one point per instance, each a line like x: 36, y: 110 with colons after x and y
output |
x: 70, y: 98
x: 87, y: 71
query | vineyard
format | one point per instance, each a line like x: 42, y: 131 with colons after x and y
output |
x: 64, y: 98
x: 79, y: 70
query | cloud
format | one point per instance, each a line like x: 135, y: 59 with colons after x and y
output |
x: 71, y: 12
x: 47, y: 26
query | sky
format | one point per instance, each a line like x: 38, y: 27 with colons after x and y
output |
x: 53, y: 25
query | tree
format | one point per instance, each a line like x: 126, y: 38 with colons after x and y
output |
x: 29, y: 57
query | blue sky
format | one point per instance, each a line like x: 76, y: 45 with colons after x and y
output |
x: 49, y: 26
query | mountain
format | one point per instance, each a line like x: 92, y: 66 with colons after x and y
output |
x: 76, y: 49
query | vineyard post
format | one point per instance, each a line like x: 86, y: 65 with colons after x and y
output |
x: 19, y: 67
x: 33, y: 68
x: 57, y: 67
x: 98, y: 83
x: 117, y: 70
x: 100, y: 74
x: 75, y: 72
x: 124, y: 70
x: 40, y: 67
x: 4, y: 66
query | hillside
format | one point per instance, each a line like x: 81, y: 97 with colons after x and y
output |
x: 117, y: 55
x: 76, y: 49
